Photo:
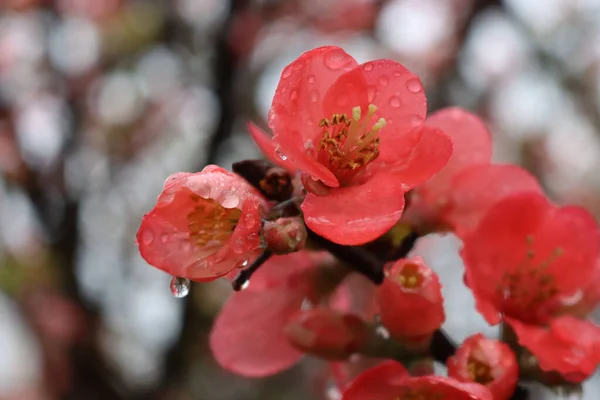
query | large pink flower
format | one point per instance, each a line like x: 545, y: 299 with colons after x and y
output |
x: 356, y: 132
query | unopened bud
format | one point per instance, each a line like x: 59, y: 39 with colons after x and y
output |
x: 285, y: 235
x: 327, y: 334
x: 410, y: 299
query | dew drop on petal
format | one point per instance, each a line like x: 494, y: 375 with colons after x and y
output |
x: 147, y: 236
x: 180, y: 287
x: 245, y: 285
x: 238, y: 246
x: 414, y: 85
x: 371, y: 91
x: 397, y: 73
x: 416, y: 120
x: 186, y: 246
x: 336, y: 59
x: 368, y: 66
x: 250, y: 221
x: 294, y: 95
x: 311, y: 79
x: 164, y: 237
x: 230, y: 200
x: 395, y: 102
x: 286, y: 73
x: 314, y: 96
x: 383, y: 81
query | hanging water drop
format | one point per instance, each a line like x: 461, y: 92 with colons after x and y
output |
x: 164, y: 238
x: 180, y: 287
x: 368, y: 66
x: 311, y: 79
x: 245, y: 285
x: 383, y: 81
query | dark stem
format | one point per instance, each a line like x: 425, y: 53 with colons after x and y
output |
x: 244, y: 275
x: 442, y: 347
x: 357, y: 258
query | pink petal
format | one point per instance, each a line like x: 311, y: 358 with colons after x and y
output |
x: 268, y: 147
x: 299, y: 96
x: 247, y: 337
x: 357, y: 214
x: 427, y: 157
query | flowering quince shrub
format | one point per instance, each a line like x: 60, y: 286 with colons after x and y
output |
x: 315, y: 243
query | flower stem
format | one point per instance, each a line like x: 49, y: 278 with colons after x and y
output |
x: 244, y: 275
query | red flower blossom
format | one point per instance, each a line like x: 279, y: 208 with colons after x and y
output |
x: 477, y: 188
x: 390, y: 381
x: 410, y: 299
x: 526, y: 254
x: 357, y: 135
x: 248, y: 335
x: 472, y: 146
x: 570, y: 346
x: 326, y: 333
x: 488, y: 362
x: 203, y: 225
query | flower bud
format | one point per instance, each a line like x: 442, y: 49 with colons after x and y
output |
x: 326, y: 333
x: 488, y: 362
x: 285, y: 235
x: 410, y: 300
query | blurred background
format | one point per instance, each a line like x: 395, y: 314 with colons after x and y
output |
x: 100, y: 100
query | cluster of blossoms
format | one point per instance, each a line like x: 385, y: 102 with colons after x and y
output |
x: 358, y: 172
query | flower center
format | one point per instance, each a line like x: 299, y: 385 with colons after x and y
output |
x: 348, y: 144
x: 211, y: 223
x: 410, y: 277
x: 480, y: 371
x: 530, y: 286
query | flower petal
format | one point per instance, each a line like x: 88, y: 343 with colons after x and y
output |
x: 428, y: 156
x: 376, y: 383
x: 397, y: 93
x: 268, y: 147
x: 570, y: 346
x: 299, y: 95
x: 472, y: 145
x: 475, y: 189
x: 357, y: 214
x: 247, y: 337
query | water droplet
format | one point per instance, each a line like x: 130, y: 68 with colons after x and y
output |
x: 368, y: 66
x: 371, y: 91
x: 416, y: 120
x: 180, y: 287
x: 306, y: 305
x: 244, y: 263
x: 336, y: 59
x: 397, y: 73
x: 164, y: 238
x: 286, y: 73
x: 314, y: 96
x: 230, y: 200
x: 383, y: 81
x: 280, y: 154
x: 311, y: 79
x: 250, y: 221
x: 294, y: 95
x: 245, y: 285
x: 186, y: 246
x: 238, y: 246
x: 414, y: 85
x: 147, y: 236
x: 395, y: 102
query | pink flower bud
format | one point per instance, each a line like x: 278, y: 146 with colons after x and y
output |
x: 326, y: 333
x: 285, y: 235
